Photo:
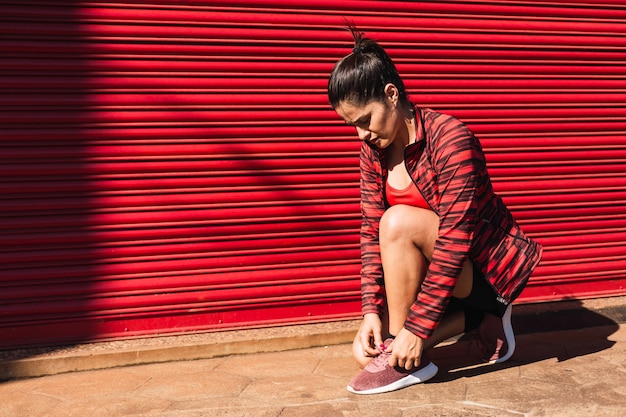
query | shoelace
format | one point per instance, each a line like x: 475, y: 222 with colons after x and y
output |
x: 379, y: 363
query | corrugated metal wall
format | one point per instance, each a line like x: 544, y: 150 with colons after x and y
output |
x: 174, y: 166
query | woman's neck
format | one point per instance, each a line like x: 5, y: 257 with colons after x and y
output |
x: 408, y: 131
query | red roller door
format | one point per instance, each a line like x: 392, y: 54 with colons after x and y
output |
x: 174, y: 166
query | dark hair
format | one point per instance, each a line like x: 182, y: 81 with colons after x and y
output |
x: 362, y: 75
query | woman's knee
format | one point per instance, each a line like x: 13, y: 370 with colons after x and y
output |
x: 402, y: 222
x: 394, y: 222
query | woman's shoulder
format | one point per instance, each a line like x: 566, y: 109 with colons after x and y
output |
x: 435, y: 120
x: 444, y: 127
x: 447, y: 134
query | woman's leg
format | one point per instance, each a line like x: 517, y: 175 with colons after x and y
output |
x: 407, y: 240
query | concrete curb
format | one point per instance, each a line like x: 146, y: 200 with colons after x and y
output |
x: 35, y: 362
x: 26, y: 363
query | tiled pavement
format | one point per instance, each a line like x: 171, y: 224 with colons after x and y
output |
x: 568, y: 366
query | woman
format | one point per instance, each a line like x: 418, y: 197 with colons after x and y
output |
x: 441, y: 253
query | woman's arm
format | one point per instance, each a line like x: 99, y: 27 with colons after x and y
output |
x: 458, y: 161
x: 372, y: 209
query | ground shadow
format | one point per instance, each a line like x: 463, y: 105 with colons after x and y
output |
x: 562, y: 330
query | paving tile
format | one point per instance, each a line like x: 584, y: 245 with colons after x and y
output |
x: 445, y: 407
x: 12, y: 389
x: 81, y: 385
x: 193, y: 385
x: 106, y: 406
x: 561, y: 410
x: 376, y: 406
x: 315, y: 410
x: 344, y: 368
x: 589, y: 368
x: 462, y: 409
x: 226, y: 406
x: 269, y: 365
x: 301, y: 389
x: 513, y: 395
x: 236, y: 412
x: 31, y: 405
x: 552, y: 371
x: 607, y: 390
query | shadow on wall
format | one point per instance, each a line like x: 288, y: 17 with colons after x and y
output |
x: 133, y: 205
x: 47, y: 242
x: 561, y: 330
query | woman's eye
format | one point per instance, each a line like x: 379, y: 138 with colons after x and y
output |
x: 362, y: 124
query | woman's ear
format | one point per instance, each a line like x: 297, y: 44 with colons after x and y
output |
x: 392, y: 93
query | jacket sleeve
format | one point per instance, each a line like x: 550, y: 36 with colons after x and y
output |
x: 458, y: 160
x: 372, y: 209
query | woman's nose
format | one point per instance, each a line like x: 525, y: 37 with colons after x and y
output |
x: 364, y: 134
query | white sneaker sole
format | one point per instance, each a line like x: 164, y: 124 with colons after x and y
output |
x: 417, y: 377
x: 508, y: 334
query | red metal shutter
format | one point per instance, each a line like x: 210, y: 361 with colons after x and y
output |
x: 174, y: 166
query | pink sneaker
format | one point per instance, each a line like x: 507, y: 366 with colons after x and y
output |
x: 378, y: 377
x: 496, y: 337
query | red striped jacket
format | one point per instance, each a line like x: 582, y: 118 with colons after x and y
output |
x: 448, y: 166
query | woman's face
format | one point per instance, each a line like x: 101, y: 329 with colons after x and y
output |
x: 376, y: 122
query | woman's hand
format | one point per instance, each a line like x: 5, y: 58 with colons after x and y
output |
x: 370, y: 335
x: 406, y: 350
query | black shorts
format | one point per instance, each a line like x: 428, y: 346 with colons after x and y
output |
x: 482, y: 299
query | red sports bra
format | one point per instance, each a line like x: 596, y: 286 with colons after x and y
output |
x: 410, y: 196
